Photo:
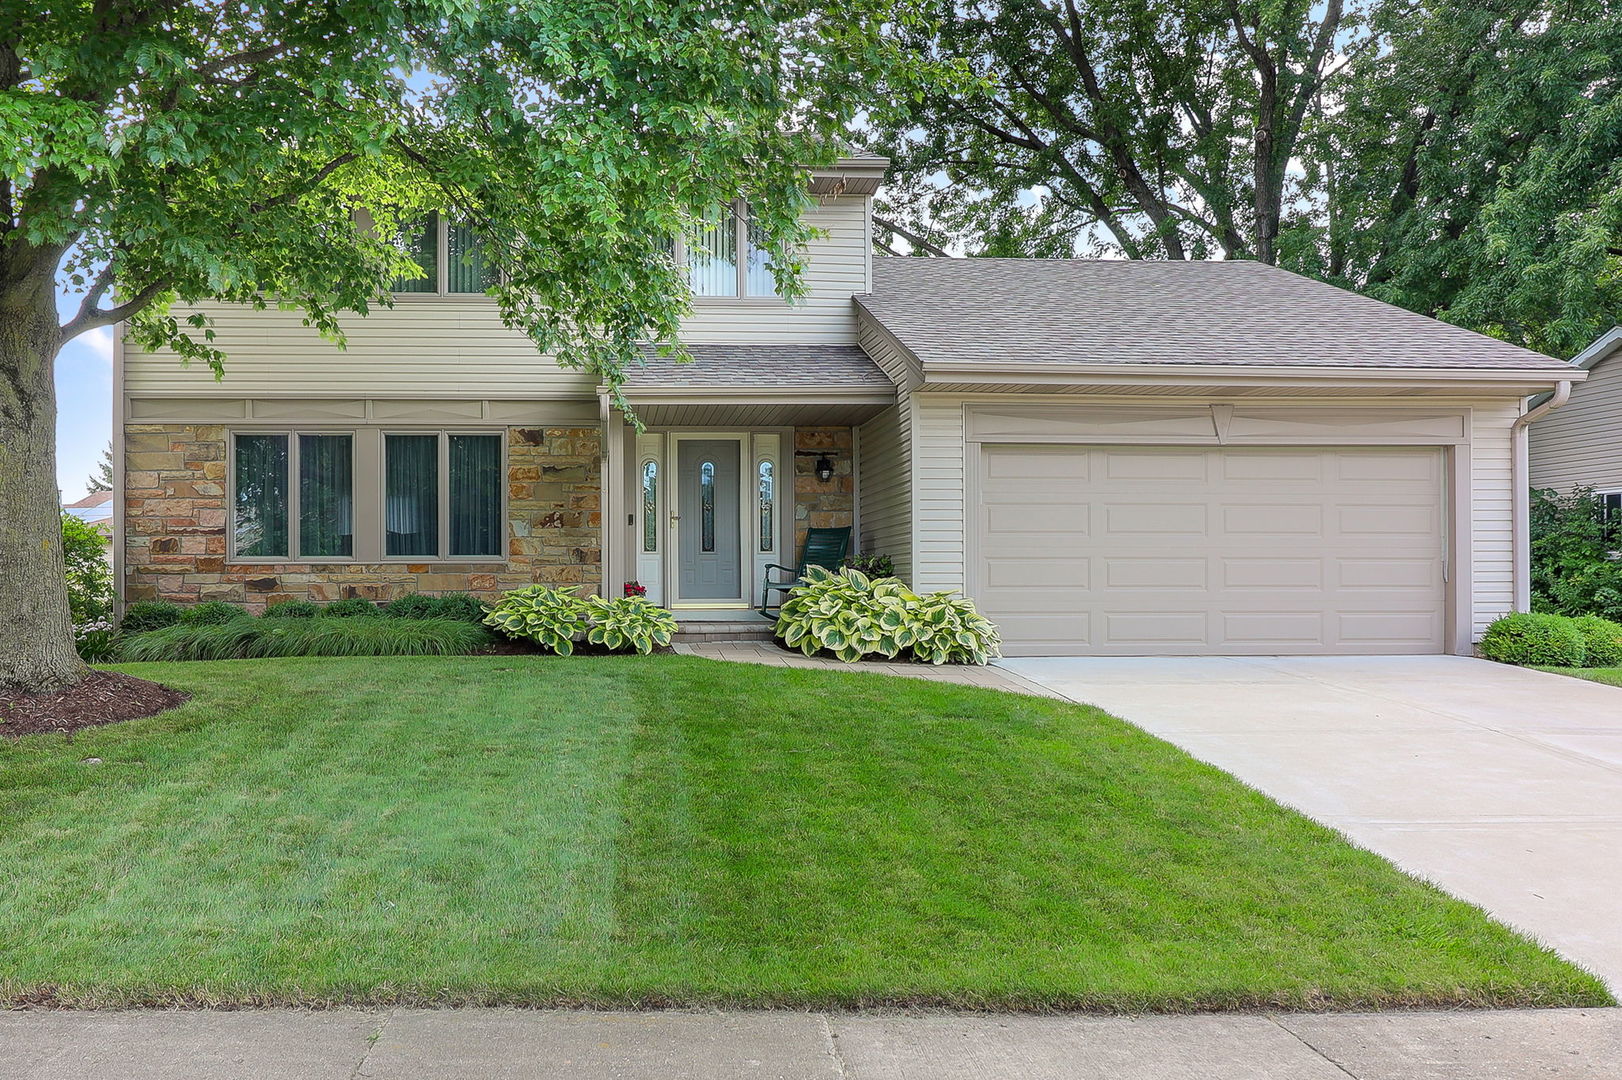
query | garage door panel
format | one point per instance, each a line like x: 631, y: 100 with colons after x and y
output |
x: 1153, y: 550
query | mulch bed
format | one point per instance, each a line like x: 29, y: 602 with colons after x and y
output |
x: 102, y: 697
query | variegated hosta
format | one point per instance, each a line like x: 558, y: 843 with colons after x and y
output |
x: 628, y: 622
x: 551, y: 618
x: 556, y: 618
x: 852, y: 616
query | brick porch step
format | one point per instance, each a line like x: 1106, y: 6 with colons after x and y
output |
x: 698, y: 631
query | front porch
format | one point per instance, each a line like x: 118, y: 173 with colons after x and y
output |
x: 736, y: 457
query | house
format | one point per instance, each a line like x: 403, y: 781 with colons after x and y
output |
x: 96, y: 510
x: 1581, y: 444
x: 1110, y: 457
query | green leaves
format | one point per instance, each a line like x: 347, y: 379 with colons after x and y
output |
x: 555, y: 619
x: 852, y: 616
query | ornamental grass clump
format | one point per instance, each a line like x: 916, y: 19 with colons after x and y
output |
x: 851, y: 615
x: 243, y: 639
x: 555, y: 619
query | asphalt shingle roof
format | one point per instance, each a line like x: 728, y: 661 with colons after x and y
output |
x: 765, y: 366
x: 1077, y: 311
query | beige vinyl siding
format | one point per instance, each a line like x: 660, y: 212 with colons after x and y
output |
x: 836, y: 269
x: 457, y: 347
x: 1492, y: 528
x: 883, y: 478
x: 1581, y: 442
x: 940, y: 449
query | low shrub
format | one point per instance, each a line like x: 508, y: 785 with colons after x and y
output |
x: 211, y: 613
x: 1534, y: 640
x: 292, y: 609
x: 353, y: 607
x: 874, y: 566
x: 449, y: 606
x: 551, y: 618
x: 243, y: 639
x: 1602, y: 641
x: 145, y: 615
x: 852, y: 615
x: 628, y: 622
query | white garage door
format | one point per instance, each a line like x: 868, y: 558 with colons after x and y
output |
x: 1182, y: 550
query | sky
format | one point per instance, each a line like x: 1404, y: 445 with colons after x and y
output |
x: 84, y: 407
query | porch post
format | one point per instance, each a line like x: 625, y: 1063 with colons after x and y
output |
x: 611, y: 496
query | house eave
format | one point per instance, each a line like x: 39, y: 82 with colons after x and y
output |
x: 991, y: 376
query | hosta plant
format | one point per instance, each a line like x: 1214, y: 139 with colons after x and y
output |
x: 628, y: 622
x: 852, y: 615
x: 551, y: 618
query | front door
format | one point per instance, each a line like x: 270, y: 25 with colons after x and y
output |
x: 709, y: 554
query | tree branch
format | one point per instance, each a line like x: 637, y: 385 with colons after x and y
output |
x: 97, y: 317
x: 915, y: 239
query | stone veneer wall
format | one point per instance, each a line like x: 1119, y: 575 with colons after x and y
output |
x: 821, y: 505
x: 175, y: 522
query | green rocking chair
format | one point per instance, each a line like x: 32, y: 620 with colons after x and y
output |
x: 826, y: 548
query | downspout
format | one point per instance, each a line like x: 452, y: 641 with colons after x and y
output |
x: 1520, y: 496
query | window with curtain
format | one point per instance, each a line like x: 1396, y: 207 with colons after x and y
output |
x: 261, y: 503
x: 411, y: 495
x: 475, y: 495
x: 470, y: 271
x: 422, y: 244
x: 650, y: 506
x: 712, y: 254
x: 768, y: 505
x: 326, y: 468
x: 758, y: 280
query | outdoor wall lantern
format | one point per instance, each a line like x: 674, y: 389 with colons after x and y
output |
x: 825, y: 463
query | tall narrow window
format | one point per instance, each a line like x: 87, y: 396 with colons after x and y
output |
x: 470, y: 271
x: 712, y: 254
x: 261, y: 496
x: 706, y: 506
x: 768, y: 506
x: 758, y: 280
x: 411, y: 494
x: 650, y: 506
x: 422, y: 244
x: 475, y: 476
x: 326, y: 496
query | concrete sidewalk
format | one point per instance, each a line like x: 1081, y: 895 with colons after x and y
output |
x: 502, y: 1044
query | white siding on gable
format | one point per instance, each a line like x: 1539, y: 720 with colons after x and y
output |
x: 883, y: 479
x: 1580, y: 443
x: 457, y: 347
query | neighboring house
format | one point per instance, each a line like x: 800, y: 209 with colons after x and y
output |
x: 96, y: 508
x: 1581, y: 443
x: 1111, y: 457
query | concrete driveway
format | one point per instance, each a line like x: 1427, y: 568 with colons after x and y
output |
x: 1501, y: 785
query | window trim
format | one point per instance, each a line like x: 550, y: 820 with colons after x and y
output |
x: 442, y: 269
x: 740, y: 211
x: 369, y: 494
x: 444, y: 500
x: 294, y: 502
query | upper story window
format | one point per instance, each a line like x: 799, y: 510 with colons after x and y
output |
x: 726, y: 257
x: 452, y: 260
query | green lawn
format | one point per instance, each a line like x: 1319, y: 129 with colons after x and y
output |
x: 1611, y: 676
x: 669, y: 829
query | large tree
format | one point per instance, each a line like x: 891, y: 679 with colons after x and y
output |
x: 1471, y: 169
x: 156, y: 153
x: 1144, y: 128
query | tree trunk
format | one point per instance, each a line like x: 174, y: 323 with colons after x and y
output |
x: 36, y: 633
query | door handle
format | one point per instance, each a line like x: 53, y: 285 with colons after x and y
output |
x: 675, y: 518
